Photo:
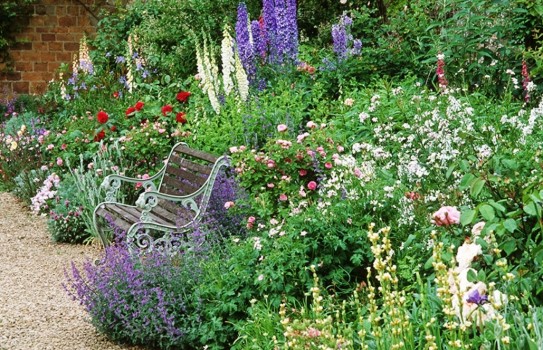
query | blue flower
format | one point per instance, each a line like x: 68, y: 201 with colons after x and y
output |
x: 476, y: 298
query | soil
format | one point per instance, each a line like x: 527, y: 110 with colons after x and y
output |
x: 35, y: 310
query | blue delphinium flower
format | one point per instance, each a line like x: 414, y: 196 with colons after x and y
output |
x: 245, y: 47
x: 339, y: 37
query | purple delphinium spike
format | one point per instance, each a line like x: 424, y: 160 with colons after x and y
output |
x: 357, y: 47
x: 283, y: 31
x: 293, y: 30
x: 245, y: 47
x: 339, y: 37
x: 270, y: 28
x: 259, y: 42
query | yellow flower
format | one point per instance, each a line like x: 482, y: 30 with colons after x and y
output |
x: 13, y: 146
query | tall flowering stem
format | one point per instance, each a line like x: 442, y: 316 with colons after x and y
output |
x: 244, y: 42
x: 525, y: 81
x: 440, y: 72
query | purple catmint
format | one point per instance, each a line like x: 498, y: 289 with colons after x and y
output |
x: 357, y: 47
x: 243, y: 41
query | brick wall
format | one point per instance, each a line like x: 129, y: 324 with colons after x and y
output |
x: 50, y: 38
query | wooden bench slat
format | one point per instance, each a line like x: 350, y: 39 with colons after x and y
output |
x: 197, y: 154
x: 116, y: 220
x: 182, y: 187
x: 185, y: 163
x: 186, y: 175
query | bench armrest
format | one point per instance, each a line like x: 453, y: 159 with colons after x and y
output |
x: 112, y: 183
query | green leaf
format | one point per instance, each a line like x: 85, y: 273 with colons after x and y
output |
x: 510, y: 225
x: 487, y: 212
x: 467, y: 217
x: 428, y: 263
x: 466, y: 180
x: 481, y: 276
x: 530, y: 209
x: 510, y: 164
x: 497, y: 206
x: 477, y: 187
x: 472, y: 276
x: 509, y: 246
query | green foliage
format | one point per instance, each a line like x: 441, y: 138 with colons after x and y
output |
x: 13, y: 14
x: 65, y: 222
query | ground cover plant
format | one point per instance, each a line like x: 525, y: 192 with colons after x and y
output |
x: 385, y: 188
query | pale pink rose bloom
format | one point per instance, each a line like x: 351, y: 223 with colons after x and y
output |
x: 283, y: 197
x: 242, y: 148
x: 229, y: 205
x: 348, y: 102
x: 271, y: 185
x: 312, y: 185
x: 90, y: 166
x: 310, y: 153
x: 357, y: 172
x: 478, y: 228
x: 301, y: 138
x: 320, y: 149
x: 59, y: 161
x: 282, y: 128
x: 145, y: 176
x: 271, y: 163
x: 340, y: 149
x: 302, y: 192
x: 446, y: 216
x: 233, y: 149
x: 50, y: 147
x: 311, y: 125
x: 313, y: 332
x: 250, y: 222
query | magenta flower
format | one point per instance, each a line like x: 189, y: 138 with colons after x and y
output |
x: 312, y: 185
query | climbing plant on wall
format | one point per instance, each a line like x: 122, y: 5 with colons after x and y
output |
x: 14, y: 15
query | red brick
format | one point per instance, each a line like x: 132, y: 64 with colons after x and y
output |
x: 11, y: 76
x: 48, y: 37
x: 42, y: 29
x: 21, y: 87
x: 66, y: 37
x: 55, y: 46
x: 71, y: 47
x: 22, y: 46
x: 53, y: 66
x: 65, y: 57
x: 72, y: 10
x: 67, y: 21
x: 40, y: 46
x: 40, y: 67
x: 51, y: 21
x: 61, y: 10
x: 24, y: 66
x: 35, y: 76
x: 38, y: 87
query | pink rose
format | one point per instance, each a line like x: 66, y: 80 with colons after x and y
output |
x: 282, y: 128
x: 271, y: 185
x: 340, y: 149
x: 229, y: 205
x: 59, y: 161
x: 328, y: 165
x: 250, y: 222
x: 233, y: 149
x: 312, y: 185
x: 311, y: 125
x: 302, y: 172
x: 283, y: 197
x: 446, y: 216
x: 271, y: 163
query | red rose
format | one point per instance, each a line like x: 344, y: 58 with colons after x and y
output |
x: 130, y: 111
x: 113, y: 128
x: 102, y: 117
x: 180, y: 117
x: 139, y: 105
x: 183, y: 96
x: 166, y: 109
x: 100, y: 136
x: 116, y: 94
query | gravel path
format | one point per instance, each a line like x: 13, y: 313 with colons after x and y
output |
x: 35, y: 312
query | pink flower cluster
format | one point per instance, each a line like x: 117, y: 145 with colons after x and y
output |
x: 45, y: 193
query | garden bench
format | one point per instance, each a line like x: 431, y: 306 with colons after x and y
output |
x: 160, y: 217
